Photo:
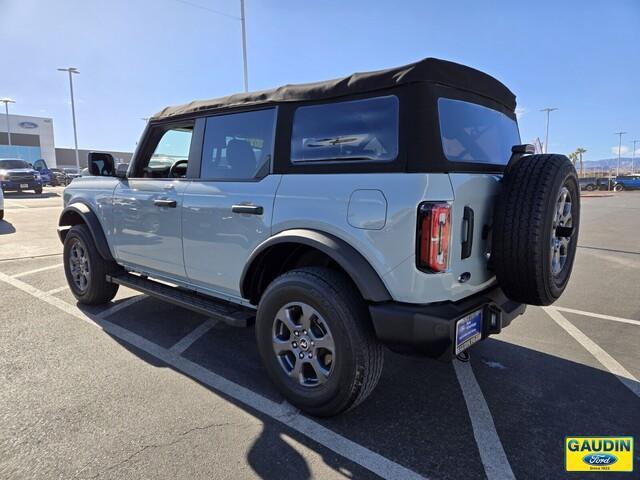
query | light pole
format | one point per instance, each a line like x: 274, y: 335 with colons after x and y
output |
x: 71, y: 71
x: 6, y: 102
x: 619, y: 151
x: 546, y: 137
x: 244, y: 47
x: 633, y: 155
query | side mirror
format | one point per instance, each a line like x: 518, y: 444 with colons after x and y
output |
x: 101, y: 164
x: 121, y: 170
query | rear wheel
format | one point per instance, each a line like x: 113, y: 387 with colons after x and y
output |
x: 317, y: 342
x: 85, y: 269
x: 38, y: 190
x: 619, y: 187
x: 589, y: 188
x: 535, y: 230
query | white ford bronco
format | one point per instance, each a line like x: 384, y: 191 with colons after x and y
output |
x: 394, y: 208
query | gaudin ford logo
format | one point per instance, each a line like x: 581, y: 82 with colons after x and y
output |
x: 608, y: 454
x: 28, y: 125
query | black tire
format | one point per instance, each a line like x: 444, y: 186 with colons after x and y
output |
x: 97, y: 290
x: 618, y: 188
x: 590, y: 188
x: 358, y: 354
x: 1, y: 214
x: 524, y: 231
x: 38, y: 190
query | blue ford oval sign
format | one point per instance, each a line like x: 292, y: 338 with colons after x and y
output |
x: 600, y: 459
x: 28, y: 125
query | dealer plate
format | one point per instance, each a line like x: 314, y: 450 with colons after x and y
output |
x: 24, y: 185
x: 468, y: 331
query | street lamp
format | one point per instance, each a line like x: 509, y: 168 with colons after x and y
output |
x: 6, y: 102
x: 619, y: 151
x: 71, y: 71
x: 546, y: 138
x: 633, y: 155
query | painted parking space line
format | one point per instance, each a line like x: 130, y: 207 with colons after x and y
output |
x: 492, y: 454
x: 37, y: 270
x: 29, y: 257
x: 120, y: 306
x: 56, y: 290
x: 607, y: 361
x: 282, y: 413
x: 599, y: 315
x: 189, y: 340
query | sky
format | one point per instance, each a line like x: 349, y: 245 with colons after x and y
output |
x: 137, y: 56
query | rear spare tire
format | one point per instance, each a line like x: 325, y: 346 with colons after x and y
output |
x: 535, y: 228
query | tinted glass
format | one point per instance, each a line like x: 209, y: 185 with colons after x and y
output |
x: 238, y: 146
x: 11, y: 164
x: 477, y: 134
x: 365, y: 130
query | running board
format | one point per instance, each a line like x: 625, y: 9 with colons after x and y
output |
x: 229, y: 313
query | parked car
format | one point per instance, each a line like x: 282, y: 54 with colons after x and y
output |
x: 1, y: 204
x: 588, y: 183
x: 18, y: 175
x: 58, y: 177
x: 41, y: 167
x: 71, y: 173
x: 627, y: 182
x: 389, y: 208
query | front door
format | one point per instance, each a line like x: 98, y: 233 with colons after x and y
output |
x: 147, y: 206
x: 227, y: 211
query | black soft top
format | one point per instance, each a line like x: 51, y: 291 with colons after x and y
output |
x: 430, y: 70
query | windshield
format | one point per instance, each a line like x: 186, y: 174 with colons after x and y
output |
x: 476, y: 134
x: 9, y: 164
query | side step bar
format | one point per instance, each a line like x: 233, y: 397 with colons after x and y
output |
x: 229, y: 313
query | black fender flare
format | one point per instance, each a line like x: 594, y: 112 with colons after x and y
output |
x: 80, y: 212
x: 357, y: 267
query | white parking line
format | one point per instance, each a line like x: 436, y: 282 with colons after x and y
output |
x: 603, y: 357
x: 188, y: 340
x: 598, y: 315
x: 119, y: 306
x: 55, y: 290
x: 37, y: 270
x: 492, y: 454
x: 283, y: 413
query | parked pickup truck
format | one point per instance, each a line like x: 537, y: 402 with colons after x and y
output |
x: 395, y: 208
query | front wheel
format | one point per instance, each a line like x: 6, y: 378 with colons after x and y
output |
x: 317, y: 342
x: 618, y: 188
x: 86, y: 270
x: 38, y: 190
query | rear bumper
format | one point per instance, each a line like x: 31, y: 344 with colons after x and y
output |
x: 430, y: 329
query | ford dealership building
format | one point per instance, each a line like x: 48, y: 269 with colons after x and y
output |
x: 31, y: 138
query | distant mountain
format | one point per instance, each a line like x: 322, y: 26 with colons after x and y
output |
x: 605, y: 163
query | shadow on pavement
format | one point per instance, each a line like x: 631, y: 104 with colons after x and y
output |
x: 30, y: 195
x: 417, y: 416
x: 6, y: 227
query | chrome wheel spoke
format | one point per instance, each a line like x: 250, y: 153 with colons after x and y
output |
x: 561, y: 232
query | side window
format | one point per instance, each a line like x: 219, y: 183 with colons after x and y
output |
x: 358, y: 130
x: 238, y: 146
x: 170, y: 155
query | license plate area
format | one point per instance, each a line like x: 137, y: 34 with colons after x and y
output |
x: 468, y: 331
x: 24, y: 185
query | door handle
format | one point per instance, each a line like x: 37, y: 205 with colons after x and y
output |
x: 250, y: 209
x: 165, y: 203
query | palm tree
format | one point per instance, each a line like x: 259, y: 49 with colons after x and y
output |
x: 573, y: 156
x: 580, y: 151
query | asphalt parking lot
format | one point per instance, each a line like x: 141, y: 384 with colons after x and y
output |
x: 143, y: 389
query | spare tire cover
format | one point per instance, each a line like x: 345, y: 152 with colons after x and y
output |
x: 535, y: 228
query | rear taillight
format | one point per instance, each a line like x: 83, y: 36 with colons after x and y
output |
x: 434, y: 228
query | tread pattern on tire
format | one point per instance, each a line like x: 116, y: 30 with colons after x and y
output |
x: 519, y: 226
x: 370, y: 355
x: 100, y: 291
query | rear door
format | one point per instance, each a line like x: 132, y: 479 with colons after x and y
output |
x: 227, y: 211
x: 147, y: 205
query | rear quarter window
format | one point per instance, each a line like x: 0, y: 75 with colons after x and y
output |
x: 473, y: 133
x: 351, y: 131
